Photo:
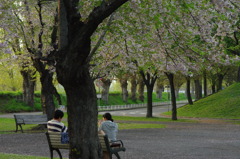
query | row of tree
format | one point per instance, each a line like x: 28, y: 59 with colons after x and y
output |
x: 82, y: 41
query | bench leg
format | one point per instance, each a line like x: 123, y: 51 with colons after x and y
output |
x: 59, y: 153
x: 51, y: 154
x: 16, y: 128
x: 117, y: 155
x: 21, y: 128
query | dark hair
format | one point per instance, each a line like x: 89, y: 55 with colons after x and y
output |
x: 108, y: 116
x: 58, y: 114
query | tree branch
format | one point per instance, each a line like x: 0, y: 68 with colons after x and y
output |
x: 100, y: 39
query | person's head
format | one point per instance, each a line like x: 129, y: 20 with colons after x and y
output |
x: 107, y: 116
x: 58, y: 114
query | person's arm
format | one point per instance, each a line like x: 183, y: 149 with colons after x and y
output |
x: 100, y: 130
x: 64, y: 128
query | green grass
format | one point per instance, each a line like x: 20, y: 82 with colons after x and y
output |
x: 140, y: 126
x: 15, y: 156
x: 224, y: 104
x: 8, y: 125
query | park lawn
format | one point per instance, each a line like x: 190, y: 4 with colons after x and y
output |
x: 15, y: 156
x: 123, y: 126
x: 8, y: 125
x: 224, y: 104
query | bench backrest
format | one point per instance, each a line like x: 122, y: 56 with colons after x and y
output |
x: 103, y: 139
x: 54, y: 141
x: 31, y: 119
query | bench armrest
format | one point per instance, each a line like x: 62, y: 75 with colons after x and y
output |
x: 117, y: 143
x: 20, y: 121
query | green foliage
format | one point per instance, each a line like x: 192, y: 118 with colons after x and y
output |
x: 12, y: 102
x: 224, y: 104
x: 10, y: 93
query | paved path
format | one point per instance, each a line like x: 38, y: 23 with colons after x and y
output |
x: 176, y: 141
x: 141, y: 112
x: 212, y: 139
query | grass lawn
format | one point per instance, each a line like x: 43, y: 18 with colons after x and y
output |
x: 8, y: 125
x: 225, y: 104
x: 15, y: 156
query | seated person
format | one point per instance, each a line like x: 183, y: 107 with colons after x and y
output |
x: 108, y: 127
x: 55, y: 125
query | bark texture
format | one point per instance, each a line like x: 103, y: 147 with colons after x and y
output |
x: 105, y: 89
x: 133, y: 88
x: 124, y: 84
x: 73, y: 73
x: 29, y: 82
x: 188, y: 91
x: 173, y: 97
x: 141, y: 85
x: 149, y: 82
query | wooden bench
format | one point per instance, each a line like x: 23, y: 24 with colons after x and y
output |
x: 29, y: 119
x: 54, y: 142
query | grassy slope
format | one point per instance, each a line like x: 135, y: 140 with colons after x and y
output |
x: 224, y: 104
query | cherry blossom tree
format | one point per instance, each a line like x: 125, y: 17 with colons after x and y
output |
x: 72, y: 67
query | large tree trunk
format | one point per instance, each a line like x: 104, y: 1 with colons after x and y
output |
x: 213, y: 87
x: 141, y: 89
x: 73, y: 73
x: 188, y: 91
x: 124, y: 84
x: 205, y: 83
x: 149, y: 82
x: 47, y: 92
x: 173, y: 97
x: 149, y: 101
x: 133, y: 88
x: 159, y: 89
x: 177, y: 92
x: 219, y: 82
x: 82, y: 112
x: 238, y: 74
x: 29, y: 82
x: 198, y: 89
x: 105, y: 89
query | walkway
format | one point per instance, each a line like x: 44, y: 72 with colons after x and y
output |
x: 203, y: 140
x: 177, y: 141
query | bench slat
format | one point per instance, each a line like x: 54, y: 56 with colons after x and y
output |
x: 54, y: 141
